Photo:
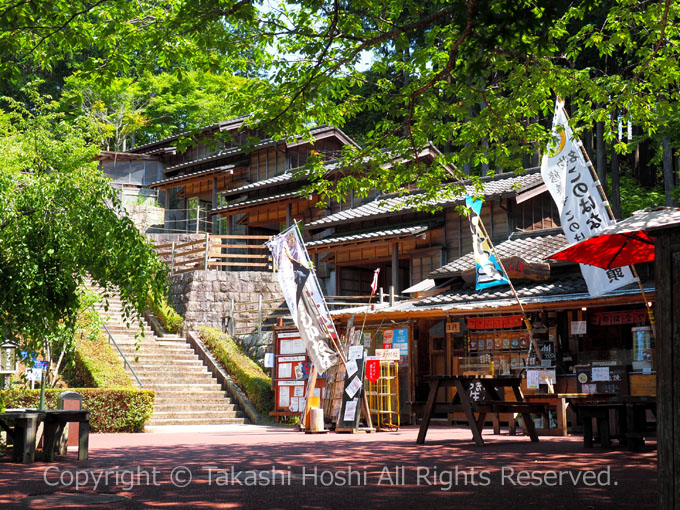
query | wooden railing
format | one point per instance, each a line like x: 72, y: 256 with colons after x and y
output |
x: 217, y: 252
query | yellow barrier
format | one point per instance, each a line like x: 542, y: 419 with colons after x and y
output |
x: 383, y: 397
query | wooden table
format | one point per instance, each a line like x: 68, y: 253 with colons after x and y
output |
x: 22, y: 425
x: 491, y: 402
x: 631, y: 416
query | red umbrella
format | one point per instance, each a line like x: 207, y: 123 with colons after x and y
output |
x: 623, y: 244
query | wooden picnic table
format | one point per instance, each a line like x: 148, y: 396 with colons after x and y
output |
x: 490, y: 402
x: 21, y: 426
x: 630, y: 414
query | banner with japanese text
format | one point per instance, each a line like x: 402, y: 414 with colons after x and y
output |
x: 304, y: 298
x: 582, y: 210
x: 488, y: 272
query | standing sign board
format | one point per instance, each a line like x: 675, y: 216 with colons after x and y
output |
x: 350, y: 411
x: 291, y: 373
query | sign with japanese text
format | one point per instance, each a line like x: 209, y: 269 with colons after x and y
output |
x: 582, y: 209
x: 373, y: 369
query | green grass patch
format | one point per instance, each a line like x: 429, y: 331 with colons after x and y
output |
x: 111, y: 409
x: 171, y: 321
x: 244, y: 371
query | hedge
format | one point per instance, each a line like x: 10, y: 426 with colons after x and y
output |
x: 111, y: 409
x: 96, y: 365
x: 244, y: 371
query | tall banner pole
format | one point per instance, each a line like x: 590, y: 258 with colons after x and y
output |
x: 525, y: 319
x: 596, y: 178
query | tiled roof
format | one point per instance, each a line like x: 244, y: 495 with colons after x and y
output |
x: 565, y: 285
x: 261, y: 200
x: 366, y: 236
x: 178, y: 178
x: 501, y: 185
x: 531, y: 246
x: 223, y: 125
x: 568, y: 289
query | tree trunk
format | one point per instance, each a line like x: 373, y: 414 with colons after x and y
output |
x: 601, y: 160
x: 615, y: 197
x: 668, y: 181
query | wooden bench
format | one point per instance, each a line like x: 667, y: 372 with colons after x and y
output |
x: 22, y: 425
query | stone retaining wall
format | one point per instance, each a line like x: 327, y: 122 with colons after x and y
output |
x: 203, y: 299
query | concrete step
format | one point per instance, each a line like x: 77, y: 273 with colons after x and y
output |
x: 159, y: 415
x: 174, y: 406
x: 192, y: 395
x: 196, y: 421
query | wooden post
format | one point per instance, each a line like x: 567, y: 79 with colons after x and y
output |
x: 172, y: 259
x: 233, y: 319
x: 667, y: 276
x: 207, y: 251
x: 395, y: 268
x: 311, y: 384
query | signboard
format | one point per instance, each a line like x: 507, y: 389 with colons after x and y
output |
x: 8, y: 359
x: 351, y: 398
x: 517, y: 269
x: 291, y: 369
x: 605, y: 379
x: 400, y: 341
x: 453, y: 327
x: 387, y: 354
x: 578, y: 327
x: 514, y: 321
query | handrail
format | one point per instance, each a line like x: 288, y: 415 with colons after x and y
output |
x: 123, y: 355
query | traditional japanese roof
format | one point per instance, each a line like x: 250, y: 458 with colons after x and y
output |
x: 219, y: 126
x: 534, y: 296
x: 192, y: 175
x: 501, y: 185
x: 258, y: 201
x: 367, y: 236
x: 532, y: 246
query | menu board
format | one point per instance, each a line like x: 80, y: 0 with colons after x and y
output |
x: 602, y: 379
x: 291, y: 372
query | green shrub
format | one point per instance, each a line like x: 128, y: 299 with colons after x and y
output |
x: 171, y: 321
x: 96, y: 365
x: 246, y: 373
x: 111, y: 409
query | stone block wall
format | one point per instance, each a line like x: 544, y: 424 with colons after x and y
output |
x: 203, y: 298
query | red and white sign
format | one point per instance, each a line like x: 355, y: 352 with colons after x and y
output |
x: 373, y: 370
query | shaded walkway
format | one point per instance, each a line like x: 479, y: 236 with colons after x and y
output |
x: 267, y: 467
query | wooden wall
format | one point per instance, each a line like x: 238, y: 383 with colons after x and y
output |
x: 667, y: 278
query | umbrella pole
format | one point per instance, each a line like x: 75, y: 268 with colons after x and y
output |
x: 589, y: 164
x: 525, y: 319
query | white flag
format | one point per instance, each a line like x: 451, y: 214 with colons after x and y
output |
x: 303, y: 295
x: 583, y: 213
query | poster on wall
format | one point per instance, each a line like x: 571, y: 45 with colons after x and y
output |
x: 400, y: 341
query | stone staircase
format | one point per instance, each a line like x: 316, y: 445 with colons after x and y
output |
x: 186, y: 392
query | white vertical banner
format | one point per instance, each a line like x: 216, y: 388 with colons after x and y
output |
x: 304, y: 298
x: 583, y: 212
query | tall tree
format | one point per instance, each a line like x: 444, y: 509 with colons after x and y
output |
x: 60, y: 222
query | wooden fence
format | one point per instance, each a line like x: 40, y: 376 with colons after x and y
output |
x: 227, y: 252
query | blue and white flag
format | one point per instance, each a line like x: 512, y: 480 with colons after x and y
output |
x: 488, y: 271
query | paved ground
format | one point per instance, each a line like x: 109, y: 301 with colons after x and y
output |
x: 267, y: 467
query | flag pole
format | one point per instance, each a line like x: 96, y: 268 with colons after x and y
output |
x: 589, y: 164
x: 525, y: 319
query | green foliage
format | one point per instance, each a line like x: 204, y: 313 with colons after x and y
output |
x: 635, y: 197
x: 111, y: 410
x: 96, y: 365
x: 171, y: 321
x: 93, y: 363
x: 246, y: 373
x: 60, y: 220
x: 152, y: 106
